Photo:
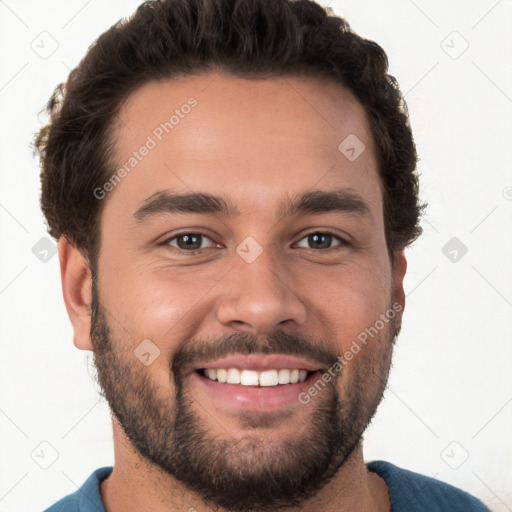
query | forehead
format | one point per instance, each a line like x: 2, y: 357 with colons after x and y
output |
x: 250, y: 139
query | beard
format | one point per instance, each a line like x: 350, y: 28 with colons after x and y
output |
x: 244, y: 472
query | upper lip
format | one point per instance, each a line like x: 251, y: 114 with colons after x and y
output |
x: 261, y: 362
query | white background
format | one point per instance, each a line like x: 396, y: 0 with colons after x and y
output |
x: 450, y: 394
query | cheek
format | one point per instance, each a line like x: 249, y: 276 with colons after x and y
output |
x: 157, y: 303
x: 349, y: 300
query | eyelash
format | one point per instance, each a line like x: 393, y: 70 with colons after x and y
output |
x: 343, y: 242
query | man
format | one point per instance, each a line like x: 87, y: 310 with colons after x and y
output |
x: 232, y: 186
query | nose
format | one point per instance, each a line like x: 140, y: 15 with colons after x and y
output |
x: 259, y: 297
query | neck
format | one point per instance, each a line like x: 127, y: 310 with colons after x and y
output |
x: 135, y: 484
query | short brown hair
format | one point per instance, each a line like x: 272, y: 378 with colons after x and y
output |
x: 248, y: 38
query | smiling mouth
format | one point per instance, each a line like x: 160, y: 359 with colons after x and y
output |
x: 265, y: 378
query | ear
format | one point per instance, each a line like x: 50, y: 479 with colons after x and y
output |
x: 399, y: 270
x: 77, y: 291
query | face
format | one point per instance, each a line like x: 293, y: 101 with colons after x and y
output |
x: 242, y: 260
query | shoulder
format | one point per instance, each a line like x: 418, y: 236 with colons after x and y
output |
x: 85, y: 499
x: 413, y: 492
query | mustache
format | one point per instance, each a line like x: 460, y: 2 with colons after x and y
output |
x: 245, y: 343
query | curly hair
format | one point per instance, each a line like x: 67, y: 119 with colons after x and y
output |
x: 164, y: 39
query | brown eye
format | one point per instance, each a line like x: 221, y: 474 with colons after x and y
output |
x: 322, y: 240
x: 188, y: 242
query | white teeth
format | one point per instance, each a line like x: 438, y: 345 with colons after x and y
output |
x: 284, y: 377
x: 269, y: 378
x: 233, y: 376
x: 255, y: 378
x: 249, y: 378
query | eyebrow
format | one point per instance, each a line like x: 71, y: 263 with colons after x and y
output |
x: 344, y: 201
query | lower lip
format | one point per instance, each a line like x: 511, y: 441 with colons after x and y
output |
x: 255, y: 397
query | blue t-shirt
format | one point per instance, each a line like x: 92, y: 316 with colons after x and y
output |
x: 410, y: 492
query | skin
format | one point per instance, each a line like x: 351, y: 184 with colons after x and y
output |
x: 255, y: 142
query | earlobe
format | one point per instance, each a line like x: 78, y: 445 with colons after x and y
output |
x: 77, y: 291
